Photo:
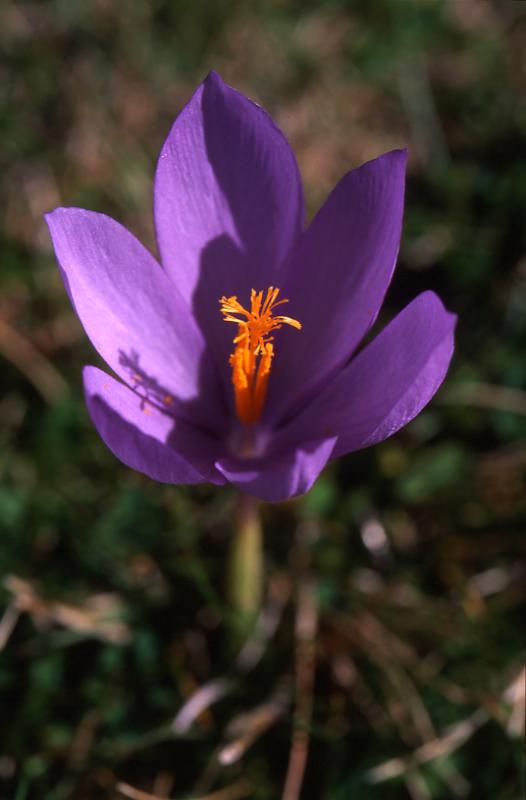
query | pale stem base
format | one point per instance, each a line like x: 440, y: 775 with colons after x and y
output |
x: 245, y: 576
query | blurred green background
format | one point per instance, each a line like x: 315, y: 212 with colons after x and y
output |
x: 112, y: 593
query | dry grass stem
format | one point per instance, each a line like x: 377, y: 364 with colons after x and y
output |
x: 8, y: 623
x: 416, y: 786
x: 440, y: 747
x: 248, y: 727
x: 199, y: 701
x: 515, y: 695
x: 486, y: 395
x: 393, y: 657
x: 235, y: 791
x: 83, y: 739
x: 306, y: 629
x: 249, y: 655
x: 14, y: 347
x: 95, y: 618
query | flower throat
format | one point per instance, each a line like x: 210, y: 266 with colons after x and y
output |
x: 251, y: 360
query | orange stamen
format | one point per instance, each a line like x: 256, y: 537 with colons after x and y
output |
x: 251, y: 360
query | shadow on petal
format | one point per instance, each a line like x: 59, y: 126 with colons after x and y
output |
x: 147, y: 438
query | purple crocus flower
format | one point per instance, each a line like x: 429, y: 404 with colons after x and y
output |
x: 214, y: 385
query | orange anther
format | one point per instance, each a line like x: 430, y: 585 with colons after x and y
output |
x: 251, y: 360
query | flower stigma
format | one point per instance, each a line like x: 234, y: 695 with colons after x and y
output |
x: 251, y: 360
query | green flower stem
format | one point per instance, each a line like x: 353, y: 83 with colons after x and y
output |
x: 245, y: 576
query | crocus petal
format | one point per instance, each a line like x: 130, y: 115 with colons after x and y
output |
x: 281, y: 476
x: 337, y: 280
x: 225, y: 170
x: 145, y: 438
x: 228, y: 204
x: 133, y: 313
x: 385, y: 385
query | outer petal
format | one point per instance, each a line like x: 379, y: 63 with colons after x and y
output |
x: 145, y: 438
x: 228, y: 204
x: 132, y: 312
x: 279, y: 477
x: 338, y: 278
x: 387, y: 384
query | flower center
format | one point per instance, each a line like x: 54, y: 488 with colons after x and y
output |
x: 253, y: 353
